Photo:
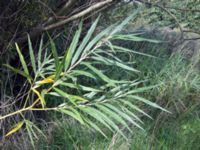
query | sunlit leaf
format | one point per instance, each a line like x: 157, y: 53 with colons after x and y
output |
x: 15, y: 129
x: 42, y: 100
x: 73, y: 113
x: 85, y: 41
x: 72, y: 48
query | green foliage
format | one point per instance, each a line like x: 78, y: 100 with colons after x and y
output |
x: 91, y: 105
x: 96, y: 89
x: 177, y: 79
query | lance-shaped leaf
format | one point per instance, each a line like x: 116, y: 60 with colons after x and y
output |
x: 21, y: 57
x: 72, y: 48
x: 147, y: 102
x: 85, y: 41
x: 19, y: 72
x: 55, y: 54
x: 100, y: 74
x: 31, y: 53
x: 15, y: 129
x: 42, y: 100
x: 73, y: 113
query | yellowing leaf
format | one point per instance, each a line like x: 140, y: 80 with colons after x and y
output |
x: 15, y: 129
x: 78, y: 98
x: 43, y: 103
x: 45, y: 81
x: 49, y: 79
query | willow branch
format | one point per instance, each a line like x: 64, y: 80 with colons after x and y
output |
x: 40, y: 29
x: 79, y: 15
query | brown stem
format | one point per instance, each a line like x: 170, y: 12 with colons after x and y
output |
x: 79, y: 15
x: 40, y: 29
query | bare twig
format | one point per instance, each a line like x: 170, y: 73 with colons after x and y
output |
x: 79, y: 15
x: 40, y: 29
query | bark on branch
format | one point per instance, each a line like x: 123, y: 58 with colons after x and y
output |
x: 39, y: 30
x: 79, y: 15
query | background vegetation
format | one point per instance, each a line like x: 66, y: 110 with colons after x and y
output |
x: 100, y: 74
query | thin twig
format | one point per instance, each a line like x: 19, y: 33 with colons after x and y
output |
x: 79, y: 15
x: 40, y: 29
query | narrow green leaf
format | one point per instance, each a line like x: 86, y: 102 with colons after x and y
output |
x: 113, y: 62
x: 36, y: 128
x: 136, y: 108
x: 113, y: 115
x: 72, y: 48
x: 21, y: 57
x: 94, y: 114
x: 148, y: 102
x: 65, y: 95
x: 55, y: 54
x: 109, y: 121
x: 70, y: 85
x: 108, y: 53
x: 131, y: 114
x: 124, y: 115
x: 96, y: 39
x: 78, y: 98
x: 18, y: 71
x: 73, y: 98
x: 30, y: 135
x: 73, y: 113
x: 131, y: 51
x: 125, y: 22
x: 83, y: 73
x: 40, y: 53
x: 100, y: 74
x: 31, y: 53
x: 142, y: 89
x: 135, y: 38
x: 81, y: 87
x: 85, y: 41
x: 96, y: 127
x: 90, y: 89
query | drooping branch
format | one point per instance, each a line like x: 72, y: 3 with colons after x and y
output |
x: 42, y: 28
x: 79, y: 15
